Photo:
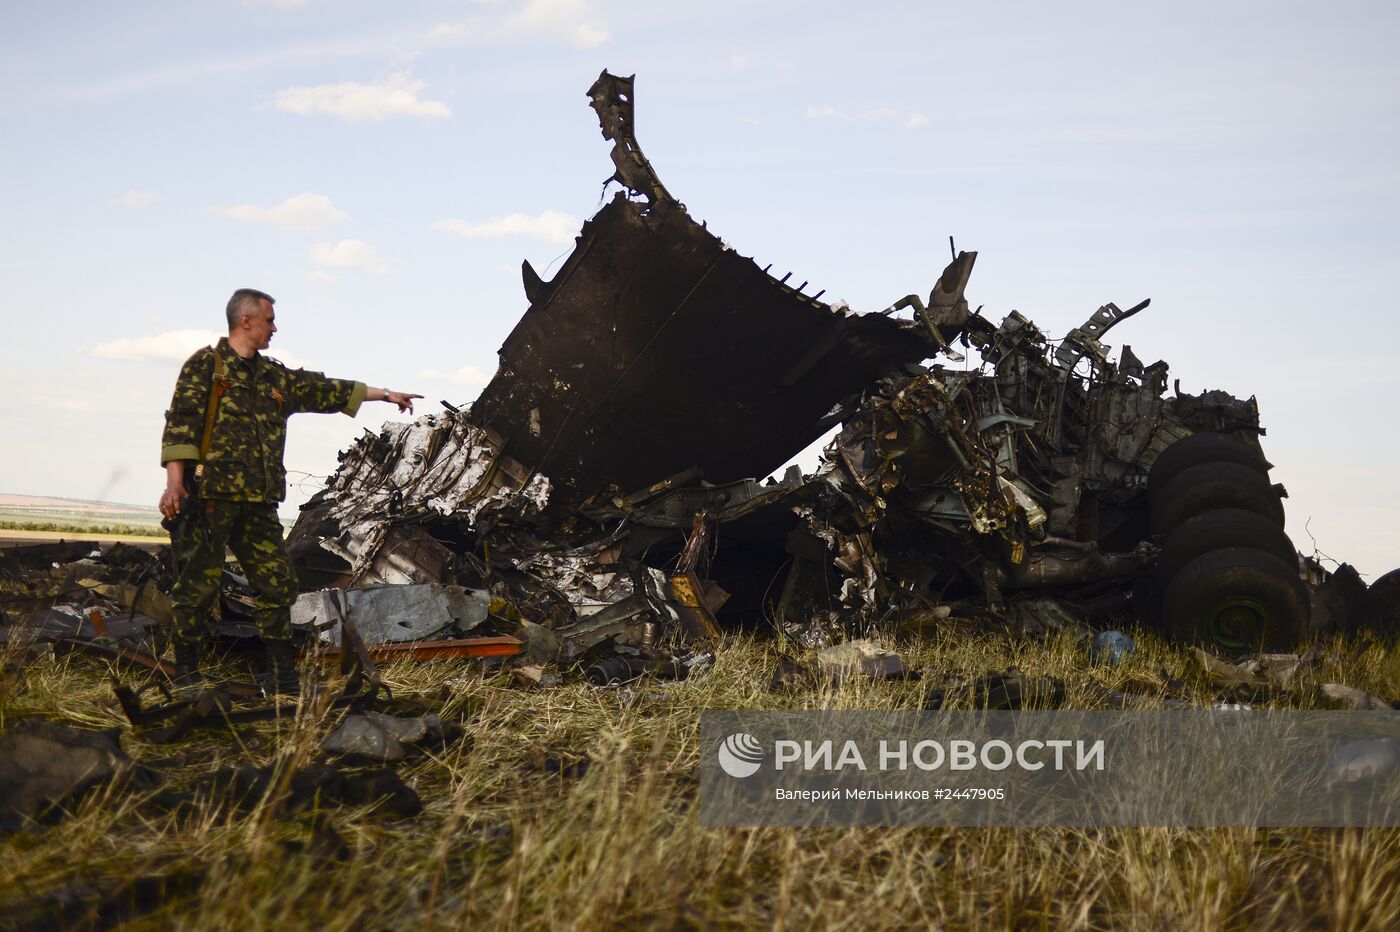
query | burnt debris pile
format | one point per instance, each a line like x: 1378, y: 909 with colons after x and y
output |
x: 605, y: 485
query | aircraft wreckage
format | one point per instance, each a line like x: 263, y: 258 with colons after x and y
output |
x: 597, y: 508
x: 603, y: 484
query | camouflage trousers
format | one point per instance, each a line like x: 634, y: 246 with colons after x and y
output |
x: 254, y: 534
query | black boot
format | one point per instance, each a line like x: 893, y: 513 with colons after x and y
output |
x: 187, y: 665
x: 282, y: 676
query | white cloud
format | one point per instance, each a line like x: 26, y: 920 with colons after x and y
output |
x: 907, y: 119
x: 304, y: 213
x: 467, y: 375
x: 134, y: 199
x: 289, y: 360
x: 569, y: 19
x: 552, y: 226
x: 170, y: 346
x: 737, y: 61
x: 356, y: 102
x: 349, y: 254
x: 469, y: 26
x: 322, y: 276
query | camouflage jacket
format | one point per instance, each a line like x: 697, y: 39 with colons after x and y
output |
x: 250, y: 430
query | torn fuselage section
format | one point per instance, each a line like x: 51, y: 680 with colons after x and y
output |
x: 657, y: 348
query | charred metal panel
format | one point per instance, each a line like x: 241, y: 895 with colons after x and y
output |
x: 657, y: 348
x: 611, y: 98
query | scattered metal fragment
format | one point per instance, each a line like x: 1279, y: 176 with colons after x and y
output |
x: 379, y: 737
x: 207, y: 708
x: 73, y: 623
x: 1283, y: 669
x: 791, y: 676
x: 1354, y: 698
x: 535, y: 675
x: 46, y: 764
x: 1362, y: 761
x: 144, y: 600
x: 499, y: 646
x: 537, y: 643
x: 697, y: 663
x: 391, y: 613
x: 1228, y: 676
x: 624, y: 668
x: 19, y: 561
x: 861, y: 657
x: 691, y: 601
x: 1045, y: 616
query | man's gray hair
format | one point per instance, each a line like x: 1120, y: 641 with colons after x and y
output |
x: 245, y: 301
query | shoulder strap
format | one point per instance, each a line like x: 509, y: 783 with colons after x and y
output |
x: 217, y: 384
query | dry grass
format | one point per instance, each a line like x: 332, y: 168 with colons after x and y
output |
x: 506, y: 843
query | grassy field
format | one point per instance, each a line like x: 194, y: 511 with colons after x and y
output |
x: 576, y: 807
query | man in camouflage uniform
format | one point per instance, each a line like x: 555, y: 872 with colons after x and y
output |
x: 240, y: 478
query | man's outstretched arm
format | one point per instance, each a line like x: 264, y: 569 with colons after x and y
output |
x: 403, y: 399
x: 314, y: 392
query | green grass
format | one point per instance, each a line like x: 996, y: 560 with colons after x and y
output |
x: 503, y: 844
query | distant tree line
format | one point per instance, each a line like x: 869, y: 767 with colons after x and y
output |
x: 116, y: 530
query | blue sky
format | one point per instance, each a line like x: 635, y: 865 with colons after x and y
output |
x: 383, y: 168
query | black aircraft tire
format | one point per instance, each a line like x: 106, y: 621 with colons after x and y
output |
x: 1211, y: 486
x: 1217, y: 530
x: 1385, y: 593
x: 1202, y: 448
x: 1237, y: 599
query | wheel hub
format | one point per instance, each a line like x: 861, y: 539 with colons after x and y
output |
x: 1239, y: 623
